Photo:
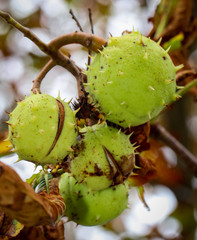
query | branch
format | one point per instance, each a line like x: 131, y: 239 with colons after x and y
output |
x: 188, y: 158
x: 90, y: 41
x: 187, y: 87
x: 26, y: 31
x: 92, y: 31
x: 76, y: 20
x: 51, y: 51
x: 80, y: 86
x: 42, y: 74
x: 181, y: 75
x: 81, y: 29
x: 90, y: 18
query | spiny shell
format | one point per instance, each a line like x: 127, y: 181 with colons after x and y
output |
x: 92, y: 208
x: 93, y: 164
x: 42, y: 129
x: 132, y: 79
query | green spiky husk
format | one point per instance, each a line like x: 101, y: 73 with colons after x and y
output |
x: 33, y: 127
x: 90, y: 208
x: 132, y: 80
x: 91, y: 166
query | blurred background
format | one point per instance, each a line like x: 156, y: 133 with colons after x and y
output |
x: 172, y: 200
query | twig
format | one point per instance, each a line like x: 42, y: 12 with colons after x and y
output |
x: 51, y: 51
x: 188, y: 158
x: 42, y: 74
x: 26, y: 31
x: 80, y: 84
x: 76, y: 20
x: 90, y: 19
x: 58, y: 57
x: 89, y: 41
x: 181, y: 75
x: 81, y: 29
x: 92, y: 42
x: 92, y: 31
x: 187, y: 87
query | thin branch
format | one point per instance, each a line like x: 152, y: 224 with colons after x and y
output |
x: 80, y: 86
x: 92, y: 31
x: 51, y: 51
x: 81, y: 29
x: 90, y: 19
x: 58, y: 57
x: 181, y: 75
x: 89, y: 41
x: 41, y: 75
x: 187, y: 157
x: 76, y: 20
x: 187, y: 87
x: 26, y: 31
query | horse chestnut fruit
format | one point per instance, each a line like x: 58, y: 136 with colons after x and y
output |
x: 104, y: 156
x: 42, y: 129
x: 91, y: 208
x: 131, y: 80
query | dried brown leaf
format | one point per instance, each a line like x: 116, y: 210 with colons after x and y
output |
x: 166, y: 173
x: 20, y: 202
x: 180, y: 19
x: 5, y: 224
x: 180, y: 57
x: 144, y: 172
x: 3, y: 135
x: 41, y: 233
x: 153, y: 165
x: 139, y: 136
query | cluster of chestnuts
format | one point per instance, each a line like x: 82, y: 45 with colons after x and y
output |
x: 129, y: 82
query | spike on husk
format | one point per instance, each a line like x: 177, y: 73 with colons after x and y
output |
x: 177, y: 68
x: 168, y: 49
x: 159, y: 41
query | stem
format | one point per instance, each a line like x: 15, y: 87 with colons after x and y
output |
x: 188, y: 158
x: 26, y: 31
x: 187, y: 87
x: 51, y: 51
x: 42, y: 74
x: 89, y: 41
x: 76, y: 20
x: 92, y: 31
x: 90, y: 19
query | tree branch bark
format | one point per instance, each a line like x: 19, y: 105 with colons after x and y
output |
x: 90, y: 41
x: 159, y: 132
x: 51, y: 51
x: 41, y: 75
